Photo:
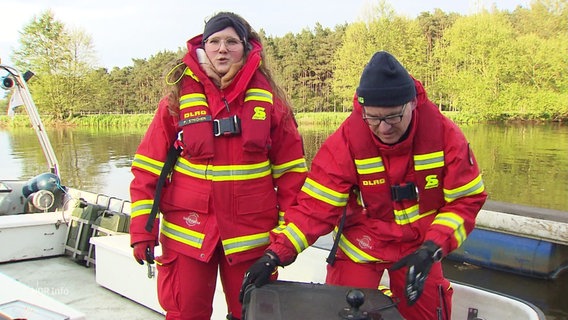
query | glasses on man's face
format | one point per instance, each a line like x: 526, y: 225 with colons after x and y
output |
x: 390, y: 119
x: 231, y: 44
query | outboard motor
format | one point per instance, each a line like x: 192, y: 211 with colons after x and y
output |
x: 42, y: 191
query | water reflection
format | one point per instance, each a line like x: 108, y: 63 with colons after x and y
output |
x: 91, y: 159
x: 521, y: 163
x: 525, y: 164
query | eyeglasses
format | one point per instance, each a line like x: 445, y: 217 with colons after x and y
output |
x: 391, y: 119
x: 231, y: 44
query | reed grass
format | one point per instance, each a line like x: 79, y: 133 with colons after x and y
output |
x: 306, y: 120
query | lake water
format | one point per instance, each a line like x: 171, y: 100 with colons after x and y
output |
x: 525, y: 164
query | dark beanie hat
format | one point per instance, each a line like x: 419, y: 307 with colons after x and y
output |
x: 223, y: 20
x: 385, y: 82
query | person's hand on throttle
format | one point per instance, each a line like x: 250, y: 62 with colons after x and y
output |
x: 259, y: 273
x: 144, y: 251
x: 419, y: 264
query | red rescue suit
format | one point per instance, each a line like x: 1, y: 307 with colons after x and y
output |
x: 225, y: 193
x: 354, y: 169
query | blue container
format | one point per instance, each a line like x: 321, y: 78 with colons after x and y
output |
x: 505, y: 252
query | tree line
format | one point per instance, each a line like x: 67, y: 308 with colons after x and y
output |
x: 491, y: 65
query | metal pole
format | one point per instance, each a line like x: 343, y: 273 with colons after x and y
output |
x: 23, y: 91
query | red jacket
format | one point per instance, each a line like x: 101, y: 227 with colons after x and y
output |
x: 354, y: 169
x: 237, y: 190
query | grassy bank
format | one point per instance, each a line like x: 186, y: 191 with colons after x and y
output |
x: 143, y: 120
x: 305, y: 120
x: 106, y: 120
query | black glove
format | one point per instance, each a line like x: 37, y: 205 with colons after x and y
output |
x: 419, y: 264
x: 259, y: 273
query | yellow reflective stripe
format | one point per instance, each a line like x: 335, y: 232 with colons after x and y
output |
x: 141, y: 207
x: 241, y: 172
x: 407, y: 215
x: 298, y: 165
x: 352, y: 251
x: 281, y: 218
x: 474, y: 187
x: 386, y: 291
x: 192, y: 100
x: 296, y: 237
x: 190, y: 73
x: 147, y: 164
x: 198, y: 171
x: 223, y: 173
x: 180, y: 234
x: 244, y: 243
x: 318, y: 191
x: 258, y: 95
x: 429, y: 160
x: 370, y: 165
x: 279, y: 229
x: 410, y: 215
x: 454, y: 222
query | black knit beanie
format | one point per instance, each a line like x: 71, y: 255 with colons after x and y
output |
x: 222, y: 21
x: 385, y: 82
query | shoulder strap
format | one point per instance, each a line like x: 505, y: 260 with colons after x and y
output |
x: 331, y: 258
x: 171, y: 158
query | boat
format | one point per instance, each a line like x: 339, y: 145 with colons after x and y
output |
x: 519, y: 239
x: 66, y: 253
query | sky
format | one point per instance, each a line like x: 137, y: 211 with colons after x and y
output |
x: 125, y: 29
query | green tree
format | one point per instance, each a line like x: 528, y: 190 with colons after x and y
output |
x: 100, y: 101
x: 433, y: 26
x: 122, y: 97
x: 148, y: 80
x: 489, y: 65
x: 383, y: 30
x: 545, y: 18
x: 325, y: 46
x: 301, y: 64
x: 61, y: 60
x: 282, y: 60
x: 477, y: 63
x: 540, y: 87
x: 349, y: 63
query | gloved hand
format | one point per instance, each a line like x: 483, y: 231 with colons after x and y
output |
x: 259, y: 273
x: 419, y: 264
x: 144, y: 251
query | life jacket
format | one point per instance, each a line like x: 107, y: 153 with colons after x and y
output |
x: 200, y: 127
x: 428, y: 156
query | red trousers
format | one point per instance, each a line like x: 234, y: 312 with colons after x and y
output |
x: 368, y: 275
x: 186, y: 286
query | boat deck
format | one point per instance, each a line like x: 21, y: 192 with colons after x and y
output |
x: 74, y: 285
